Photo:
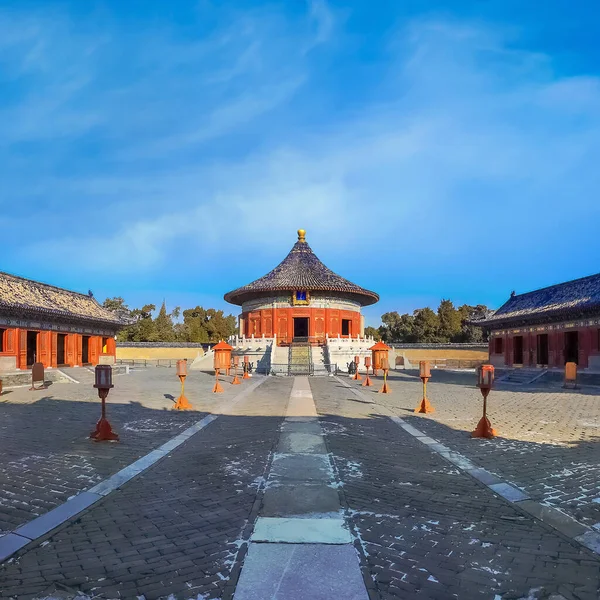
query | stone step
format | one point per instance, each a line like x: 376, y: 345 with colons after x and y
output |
x: 522, y: 376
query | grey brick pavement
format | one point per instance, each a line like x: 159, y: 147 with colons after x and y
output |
x: 47, y: 455
x: 427, y: 529
x: 177, y: 528
x: 548, y: 438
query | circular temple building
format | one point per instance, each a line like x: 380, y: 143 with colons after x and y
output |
x: 301, y: 300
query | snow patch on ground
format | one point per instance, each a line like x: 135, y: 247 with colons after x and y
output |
x: 354, y: 469
x: 144, y: 426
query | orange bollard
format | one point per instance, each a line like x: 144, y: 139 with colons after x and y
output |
x: 367, y: 381
x: 486, y: 379
x: 182, y: 402
x: 236, y: 379
x: 357, y: 376
x: 217, y: 389
x: 246, y: 374
x: 424, y: 406
x: 386, y: 367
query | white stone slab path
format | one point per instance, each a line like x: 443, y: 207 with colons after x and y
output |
x: 305, y: 551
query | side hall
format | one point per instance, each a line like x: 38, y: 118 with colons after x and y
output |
x: 54, y: 326
x: 548, y: 327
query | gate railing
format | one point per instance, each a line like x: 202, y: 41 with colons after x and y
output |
x: 291, y: 369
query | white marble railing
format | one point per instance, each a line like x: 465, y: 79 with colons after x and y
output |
x: 349, y: 341
x: 251, y: 343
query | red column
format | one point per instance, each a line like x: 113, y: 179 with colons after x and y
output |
x: 585, y: 347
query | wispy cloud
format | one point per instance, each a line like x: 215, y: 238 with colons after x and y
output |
x: 465, y: 145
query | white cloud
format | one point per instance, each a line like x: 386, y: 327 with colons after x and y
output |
x: 464, y: 138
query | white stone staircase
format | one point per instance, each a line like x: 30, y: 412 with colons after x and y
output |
x: 522, y: 376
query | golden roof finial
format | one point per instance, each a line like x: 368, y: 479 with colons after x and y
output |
x: 301, y: 235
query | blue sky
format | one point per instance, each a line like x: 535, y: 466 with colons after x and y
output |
x: 170, y: 150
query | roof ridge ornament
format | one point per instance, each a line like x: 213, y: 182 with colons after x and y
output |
x: 302, y: 235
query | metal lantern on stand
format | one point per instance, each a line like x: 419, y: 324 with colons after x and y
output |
x: 236, y: 363
x: 425, y: 374
x: 182, y: 402
x: 357, y: 376
x: 103, y: 383
x: 385, y: 366
x: 222, y: 362
x: 485, y: 381
x: 367, y: 381
x: 378, y: 352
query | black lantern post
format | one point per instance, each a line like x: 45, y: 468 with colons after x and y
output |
x: 103, y: 431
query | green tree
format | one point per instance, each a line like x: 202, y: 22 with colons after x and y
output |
x: 449, y: 321
x: 163, y: 325
x: 471, y: 333
x: 200, y: 325
x: 426, y: 326
x: 397, y: 328
x: 117, y: 305
x: 372, y: 331
x: 144, y: 328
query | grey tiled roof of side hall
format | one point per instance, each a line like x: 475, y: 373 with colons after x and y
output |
x: 301, y: 270
x: 576, y: 297
x: 19, y: 295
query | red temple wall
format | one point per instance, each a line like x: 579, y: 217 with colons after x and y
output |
x: 588, y: 345
x: 14, y: 344
x: 280, y: 322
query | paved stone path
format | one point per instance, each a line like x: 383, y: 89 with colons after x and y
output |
x: 420, y: 527
x: 548, y: 438
x: 300, y: 546
x: 425, y: 529
x: 47, y: 455
x: 176, y: 529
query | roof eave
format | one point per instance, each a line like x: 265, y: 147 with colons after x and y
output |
x: 238, y: 297
x: 538, y: 318
x: 38, y: 312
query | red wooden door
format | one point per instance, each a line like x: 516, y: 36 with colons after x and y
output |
x: 22, y: 362
x: 93, y: 347
x: 78, y: 345
x: 70, y: 350
x: 53, y: 348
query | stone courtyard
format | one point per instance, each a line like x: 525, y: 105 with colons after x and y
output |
x: 297, y: 487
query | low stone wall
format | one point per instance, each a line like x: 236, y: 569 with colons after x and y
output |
x: 450, y: 355
x: 157, y: 352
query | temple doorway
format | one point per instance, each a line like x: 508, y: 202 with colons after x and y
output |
x: 346, y: 327
x: 32, y: 338
x: 300, y: 327
x: 61, y: 340
x: 518, y: 350
x: 85, y: 349
x: 572, y: 346
x: 542, y: 349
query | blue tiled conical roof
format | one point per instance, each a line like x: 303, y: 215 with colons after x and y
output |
x: 301, y: 270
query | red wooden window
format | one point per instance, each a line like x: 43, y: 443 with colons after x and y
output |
x: 2, y: 340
